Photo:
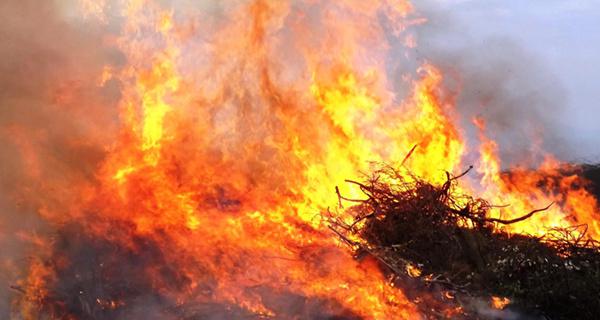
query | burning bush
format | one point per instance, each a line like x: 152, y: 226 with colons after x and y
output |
x: 96, y: 278
x: 436, y: 238
x: 166, y: 159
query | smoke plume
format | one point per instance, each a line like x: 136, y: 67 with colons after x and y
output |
x: 498, y: 80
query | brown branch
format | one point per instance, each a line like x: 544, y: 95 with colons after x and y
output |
x: 449, y: 178
x: 368, y: 191
x: 408, y: 154
x: 362, y: 186
x: 340, y: 197
x: 337, y: 191
x: 519, y: 219
x: 370, y: 215
x: 344, y: 238
x: 17, y: 288
x: 463, y: 174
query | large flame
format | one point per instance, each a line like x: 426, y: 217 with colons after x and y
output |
x: 234, y: 133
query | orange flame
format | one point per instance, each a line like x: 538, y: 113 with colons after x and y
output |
x: 235, y: 133
x: 499, y: 302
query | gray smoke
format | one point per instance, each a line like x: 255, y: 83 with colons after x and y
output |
x: 45, y: 59
x: 499, y: 80
x: 50, y: 59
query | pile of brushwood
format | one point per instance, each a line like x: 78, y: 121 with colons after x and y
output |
x: 432, y: 240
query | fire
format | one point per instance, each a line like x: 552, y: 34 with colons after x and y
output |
x: 499, y: 302
x: 413, y: 271
x: 526, y: 189
x: 233, y: 137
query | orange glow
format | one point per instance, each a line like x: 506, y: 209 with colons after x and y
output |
x: 521, y: 191
x: 234, y: 135
x: 413, y: 271
x: 500, y: 303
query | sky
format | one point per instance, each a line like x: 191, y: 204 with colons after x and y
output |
x: 564, y: 38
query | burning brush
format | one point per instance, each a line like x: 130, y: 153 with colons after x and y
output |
x: 171, y: 160
x: 433, y: 238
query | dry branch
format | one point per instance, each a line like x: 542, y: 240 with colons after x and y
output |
x: 405, y: 220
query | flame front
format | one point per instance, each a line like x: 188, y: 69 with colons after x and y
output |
x: 234, y: 133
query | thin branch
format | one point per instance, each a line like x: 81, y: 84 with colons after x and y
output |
x: 519, y: 219
x: 337, y: 191
x: 370, y: 215
x: 344, y: 238
x: 464, y: 173
x: 362, y: 186
x: 497, y: 206
x: 17, y: 288
x: 408, y: 154
x: 340, y: 197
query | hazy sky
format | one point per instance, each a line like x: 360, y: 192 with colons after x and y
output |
x: 564, y: 35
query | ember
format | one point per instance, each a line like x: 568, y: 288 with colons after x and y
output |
x: 500, y: 303
x: 186, y: 160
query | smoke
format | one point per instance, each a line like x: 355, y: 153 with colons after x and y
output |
x: 500, y: 81
x: 49, y: 139
x: 484, y: 311
x: 58, y: 118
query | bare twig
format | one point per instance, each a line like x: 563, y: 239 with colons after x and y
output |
x: 519, y: 219
x: 463, y: 174
x: 344, y: 238
x: 408, y: 154
x: 340, y: 197
x: 17, y: 288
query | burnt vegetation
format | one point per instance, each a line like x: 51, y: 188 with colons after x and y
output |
x: 94, y: 278
x: 439, y: 245
x: 431, y: 238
